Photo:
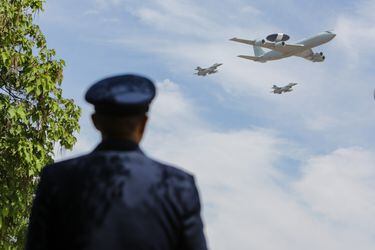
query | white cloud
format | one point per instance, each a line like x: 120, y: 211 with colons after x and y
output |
x: 320, y: 103
x: 356, y: 31
x: 340, y: 186
x: 170, y: 104
x: 189, y: 35
x: 103, y: 4
x: 251, y: 10
x: 244, y: 194
x: 321, y: 122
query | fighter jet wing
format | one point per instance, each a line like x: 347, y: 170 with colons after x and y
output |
x: 286, y: 49
x: 287, y: 88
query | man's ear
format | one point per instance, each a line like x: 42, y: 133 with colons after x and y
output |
x: 143, y: 124
x: 95, y: 120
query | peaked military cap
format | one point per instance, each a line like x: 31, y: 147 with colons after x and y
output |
x: 122, y: 95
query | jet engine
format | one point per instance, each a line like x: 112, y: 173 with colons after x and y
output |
x: 318, y: 57
x: 280, y: 44
x: 260, y: 42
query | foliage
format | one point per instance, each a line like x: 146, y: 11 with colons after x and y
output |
x: 33, y: 114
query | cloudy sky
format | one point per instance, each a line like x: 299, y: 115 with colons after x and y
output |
x: 276, y: 172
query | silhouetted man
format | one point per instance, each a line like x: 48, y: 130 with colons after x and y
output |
x: 116, y: 197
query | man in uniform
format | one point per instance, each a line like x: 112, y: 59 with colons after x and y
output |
x: 116, y: 197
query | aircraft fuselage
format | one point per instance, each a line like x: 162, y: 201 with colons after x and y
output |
x: 308, y: 43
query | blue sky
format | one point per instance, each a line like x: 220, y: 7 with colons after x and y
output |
x: 295, y: 171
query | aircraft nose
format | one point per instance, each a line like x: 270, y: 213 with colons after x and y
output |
x: 331, y: 33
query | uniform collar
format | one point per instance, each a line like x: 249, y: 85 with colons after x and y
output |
x: 117, y: 145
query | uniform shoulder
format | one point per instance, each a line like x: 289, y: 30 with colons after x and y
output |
x: 174, y: 176
x: 59, y: 166
x: 182, y: 188
x: 174, y: 170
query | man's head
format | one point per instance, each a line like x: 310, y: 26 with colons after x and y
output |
x: 120, y: 127
x: 121, y: 105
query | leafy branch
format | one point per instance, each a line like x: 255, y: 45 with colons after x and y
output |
x: 34, y: 116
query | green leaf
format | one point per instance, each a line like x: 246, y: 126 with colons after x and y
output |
x: 11, y: 112
x: 33, y: 119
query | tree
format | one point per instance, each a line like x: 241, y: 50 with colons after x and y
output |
x: 34, y: 116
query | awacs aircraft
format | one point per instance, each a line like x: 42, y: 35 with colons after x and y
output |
x: 280, y: 49
x: 207, y: 71
x: 280, y: 90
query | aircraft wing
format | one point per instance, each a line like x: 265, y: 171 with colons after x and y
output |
x: 286, y: 49
x: 287, y: 88
x: 249, y: 42
x: 307, y: 54
x: 253, y: 58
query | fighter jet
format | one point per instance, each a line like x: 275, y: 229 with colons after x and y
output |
x: 280, y: 49
x: 280, y: 90
x: 208, y: 71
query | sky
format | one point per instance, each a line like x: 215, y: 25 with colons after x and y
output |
x: 293, y: 171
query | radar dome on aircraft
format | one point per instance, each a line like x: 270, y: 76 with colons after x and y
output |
x: 278, y: 37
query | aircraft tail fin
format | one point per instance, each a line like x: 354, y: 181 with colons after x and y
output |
x: 258, y: 51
